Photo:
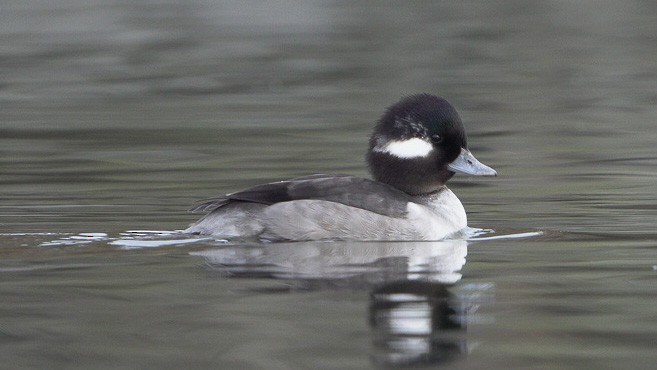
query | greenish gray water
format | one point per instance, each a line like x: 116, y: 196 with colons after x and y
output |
x: 117, y: 116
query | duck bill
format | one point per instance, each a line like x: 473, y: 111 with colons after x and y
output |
x: 468, y: 164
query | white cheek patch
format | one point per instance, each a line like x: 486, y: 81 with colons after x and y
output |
x: 411, y: 148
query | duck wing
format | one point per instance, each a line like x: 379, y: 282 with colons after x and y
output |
x: 349, y: 190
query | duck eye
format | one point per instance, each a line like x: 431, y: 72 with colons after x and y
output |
x: 436, y: 139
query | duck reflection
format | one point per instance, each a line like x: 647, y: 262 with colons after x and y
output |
x: 418, y: 313
x: 315, y: 265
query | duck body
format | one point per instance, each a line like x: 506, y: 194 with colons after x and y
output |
x: 331, y: 207
x: 417, y: 145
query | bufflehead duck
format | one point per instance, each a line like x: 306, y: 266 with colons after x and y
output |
x: 417, y: 145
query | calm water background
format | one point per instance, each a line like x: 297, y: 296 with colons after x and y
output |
x: 118, y: 115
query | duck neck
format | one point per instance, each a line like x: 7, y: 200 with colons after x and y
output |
x: 417, y: 177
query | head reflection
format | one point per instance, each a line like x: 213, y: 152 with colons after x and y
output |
x: 415, y: 322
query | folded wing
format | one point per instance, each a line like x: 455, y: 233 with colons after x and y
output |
x: 344, y: 189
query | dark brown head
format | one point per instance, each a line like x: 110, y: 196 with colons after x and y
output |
x: 419, y: 143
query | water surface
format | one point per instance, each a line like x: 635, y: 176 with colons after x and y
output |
x: 116, y: 117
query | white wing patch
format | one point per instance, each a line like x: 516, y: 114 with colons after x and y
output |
x: 411, y: 148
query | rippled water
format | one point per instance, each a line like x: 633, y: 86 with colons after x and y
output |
x: 117, y: 116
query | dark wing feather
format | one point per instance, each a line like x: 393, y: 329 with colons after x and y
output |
x: 210, y: 204
x: 348, y: 190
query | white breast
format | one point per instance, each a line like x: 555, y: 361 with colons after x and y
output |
x: 442, y: 216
